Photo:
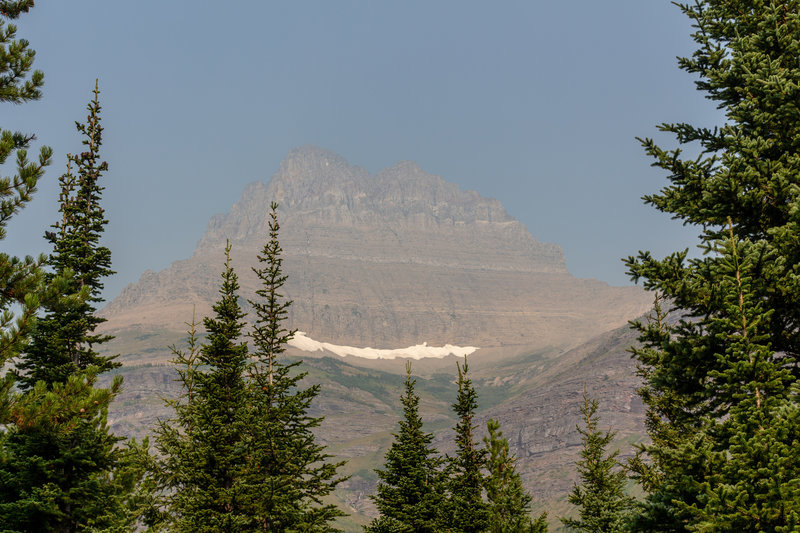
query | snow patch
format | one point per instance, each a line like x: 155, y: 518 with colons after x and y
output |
x: 420, y: 351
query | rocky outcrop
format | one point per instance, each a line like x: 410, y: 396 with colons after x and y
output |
x: 397, y: 259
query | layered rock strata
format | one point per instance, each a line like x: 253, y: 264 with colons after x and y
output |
x: 390, y: 260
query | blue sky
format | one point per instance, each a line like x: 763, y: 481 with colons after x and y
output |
x: 534, y: 103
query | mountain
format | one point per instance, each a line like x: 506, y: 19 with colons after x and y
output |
x: 390, y: 261
x: 387, y: 261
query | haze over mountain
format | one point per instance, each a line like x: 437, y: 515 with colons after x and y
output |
x: 391, y: 260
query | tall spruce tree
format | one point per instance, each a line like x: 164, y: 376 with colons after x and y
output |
x: 63, y: 340
x: 509, y: 502
x: 410, y: 484
x: 720, y: 364
x: 289, y: 474
x: 204, y: 448
x: 20, y: 279
x: 60, y: 467
x: 465, y: 509
x: 603, y: 506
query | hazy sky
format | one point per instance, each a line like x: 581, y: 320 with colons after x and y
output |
x: 534, y: 103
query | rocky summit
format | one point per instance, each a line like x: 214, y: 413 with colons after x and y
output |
x: 395, y: 259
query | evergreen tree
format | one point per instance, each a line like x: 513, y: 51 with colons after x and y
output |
x: 60, y: 467
x: 753, y: 479
x: 509, y: 503
x: 240, y: 454
x: 20, y: 279
x: 601, y: 500
x: 289, y: 474
x: 270, y: 336
x: 465, y: 509
x: 410, y: 485
x: 63, y: 340
x: 205, y: 448
x: 721, y: 375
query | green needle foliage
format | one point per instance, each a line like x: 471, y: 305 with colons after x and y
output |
x: 720, y: 363
x: 509, y: 502
x: 20, y: 279
x: 289, y: 473
x: 270, y: 336
x: 61, y: 469
x: 240, y: 454
x: 753, y: 479
x: 410, y: 485
x: 63, y: 340
x: 465, y: 510
x: 601, y: 500
x: 204, y: 449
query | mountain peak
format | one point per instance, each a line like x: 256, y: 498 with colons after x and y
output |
x: 309, y: 172
x: 312, y: 155
x: 407, y: 168
x: 397, y: 259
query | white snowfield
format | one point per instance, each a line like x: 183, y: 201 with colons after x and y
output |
x: 420, y: 351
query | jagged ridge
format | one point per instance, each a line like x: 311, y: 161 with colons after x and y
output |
x: 393, y: 260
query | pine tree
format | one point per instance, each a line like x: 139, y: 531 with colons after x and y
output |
x: 752, y: 483
x: 205, y: 447
x: 60, y: 467
x: 20, y: 279
x: 465, y: 509
x: 240, y: 454
x: 63, y: 340
x: 720, y: 364
x: 602, y: 503
x: 289, y: 474
x: 59, y: 463
x: 509, y: 503
x: 410, y: 485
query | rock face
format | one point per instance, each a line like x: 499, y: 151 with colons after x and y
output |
x: 392, y: 260
x: 540, y: 416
